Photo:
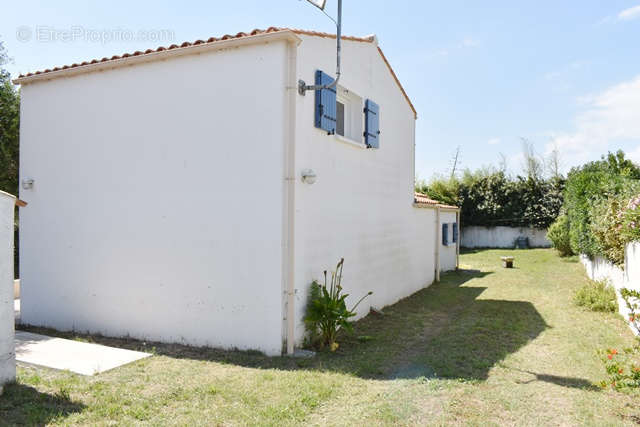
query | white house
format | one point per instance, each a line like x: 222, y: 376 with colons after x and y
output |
x: 166, y: 199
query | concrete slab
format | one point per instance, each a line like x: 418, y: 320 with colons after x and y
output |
x: 75, y: 356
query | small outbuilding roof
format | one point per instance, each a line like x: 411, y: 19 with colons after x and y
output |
x: 25, y: 78
x: 424, y: 200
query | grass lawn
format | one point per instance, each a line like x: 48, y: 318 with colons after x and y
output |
x: 486, y: 345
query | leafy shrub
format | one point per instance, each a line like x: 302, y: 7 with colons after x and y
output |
x: 597, y: 296
x: 632, y: 301
x: 327, y: 311
x: 559, y: 235
x: 589, y: 185
x: 607, y: 224
x: 623, y: 368
x: 445, y: 190
x: 631, y: 220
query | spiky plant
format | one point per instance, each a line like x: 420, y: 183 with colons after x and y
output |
x: 327, y: 311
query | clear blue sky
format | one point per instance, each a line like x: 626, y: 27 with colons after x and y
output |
x: 481, y: 74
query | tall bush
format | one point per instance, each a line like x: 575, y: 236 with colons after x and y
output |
x: 608, y: 224
x: 631, y: 219
x: 589, y: 185
x: 9, y: 128
x: 559, y: 235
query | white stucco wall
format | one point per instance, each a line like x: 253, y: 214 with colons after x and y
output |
x: 502, y: 237
x: 626, y: 276
x: 599, y: 268
x: 7, y: 349
x: 448, y: 253
x: 632, y: 265
x: 360, y: 208
x: 157, y: 205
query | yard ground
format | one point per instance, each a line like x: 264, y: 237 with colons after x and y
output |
x: 486, y: 345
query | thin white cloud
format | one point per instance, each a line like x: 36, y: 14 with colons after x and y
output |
x: 566, y: 71
x: 561, y: 80
x: 625, y: 15
x: 441, y: 52
x: 629, y: 14
x: 469, y: 42
x: 494, y: 141
x: 552, y: 75
x: 607, y: 118
x: 466, y: 43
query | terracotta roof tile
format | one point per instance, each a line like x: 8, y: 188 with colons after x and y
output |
x: 423, y: 199
x: 254, y: 32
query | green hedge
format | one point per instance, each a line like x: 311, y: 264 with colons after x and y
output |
x: 598, y: 201
x: 491, y: 198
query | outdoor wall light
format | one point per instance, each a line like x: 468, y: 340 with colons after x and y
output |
x: 27, y: 183
x: 308, y: 176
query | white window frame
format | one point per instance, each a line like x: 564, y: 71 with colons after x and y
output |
x: 353, y: 117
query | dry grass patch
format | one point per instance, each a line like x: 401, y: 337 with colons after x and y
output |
x: 485, y: 346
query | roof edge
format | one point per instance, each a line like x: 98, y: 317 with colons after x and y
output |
x: 160, y: 53
x: 395, y: 77
x: 187, y: 48
x: 421, y: 200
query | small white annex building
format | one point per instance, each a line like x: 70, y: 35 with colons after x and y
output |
x: 167, y: 200
x: 7, y: 347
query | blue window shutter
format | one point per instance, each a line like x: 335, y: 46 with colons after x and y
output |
x: 454, y: 228
x: 445, y: 234
x: 325, y: 113
x: 371, y: 124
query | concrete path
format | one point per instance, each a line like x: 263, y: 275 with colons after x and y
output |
x: 75, y: 356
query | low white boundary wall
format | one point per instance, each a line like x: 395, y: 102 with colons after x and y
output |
x: 502, y: 237
x: 7, y: 349
x: 629, y: 277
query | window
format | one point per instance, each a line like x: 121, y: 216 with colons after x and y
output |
x: 340, y: 118
x: 349, y: 116
x: 342, y: 113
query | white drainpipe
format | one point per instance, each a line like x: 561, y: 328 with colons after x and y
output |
x: 438, y: 240
x: 459, y: 239
x: 289, y: 197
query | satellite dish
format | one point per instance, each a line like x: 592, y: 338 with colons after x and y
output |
x: 318, y: 3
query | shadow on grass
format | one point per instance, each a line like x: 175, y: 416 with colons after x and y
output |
x: 570, y: 382
x: 443, y: 331
x: 24, y: 405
